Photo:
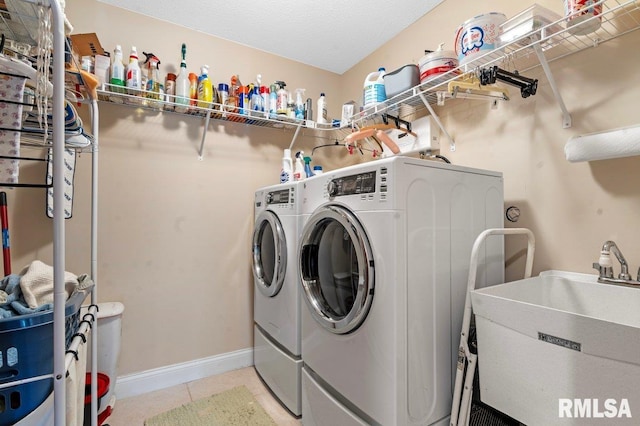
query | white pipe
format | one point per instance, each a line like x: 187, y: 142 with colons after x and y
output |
x: 95, y: 127
x: 27, y: 380
x: 59, y: 294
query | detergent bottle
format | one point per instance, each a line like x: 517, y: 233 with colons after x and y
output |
x: 117, y: 72
x: 298, y: 171
x: 286, y: 174
x: 205, y: 89
x: 374, y: 89
x: 182, y: 84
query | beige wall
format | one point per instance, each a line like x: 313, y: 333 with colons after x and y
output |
x: 174, y: 236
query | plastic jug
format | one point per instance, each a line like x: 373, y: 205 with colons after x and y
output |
x: 374, y: 89
x: 286, y: 174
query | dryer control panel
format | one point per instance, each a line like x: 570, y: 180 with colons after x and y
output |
x: 362, y: 183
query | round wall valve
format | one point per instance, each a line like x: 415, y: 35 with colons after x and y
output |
x: 512, y: 213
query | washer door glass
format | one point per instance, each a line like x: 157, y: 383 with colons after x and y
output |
x: 336, y: 268
x: 269, y: 254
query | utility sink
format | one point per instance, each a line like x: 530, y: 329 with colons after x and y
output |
x: 557, y: 344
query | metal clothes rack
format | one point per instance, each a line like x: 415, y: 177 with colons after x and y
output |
x: 63, y: 358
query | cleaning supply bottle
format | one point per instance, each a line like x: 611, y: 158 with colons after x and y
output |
x: 298, y: 171
x: 322, y: 109
x: 373, y: 92
x: 153, y: 84
x: 307, y: 167
x: 286, y: 174
x: 291, y: 106
x: 205, y: 89
x: 308, y: 110
x: 182, y: 84
x: 117, y: 80
x: 256, y: 101
x: 193, y: 90
x: 282, y: 98
x: 223, y: 93
x: 273, y: 100
x: 133, y: 80
x: 299, y: 106
x: 264, y: 94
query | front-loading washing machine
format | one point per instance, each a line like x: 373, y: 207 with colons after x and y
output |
x: 277, y: 326
x: 383, y: 262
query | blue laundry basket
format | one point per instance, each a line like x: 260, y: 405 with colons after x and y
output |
x: 26, y: 350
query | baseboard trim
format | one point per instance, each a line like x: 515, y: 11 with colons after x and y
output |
x: 176, y: 374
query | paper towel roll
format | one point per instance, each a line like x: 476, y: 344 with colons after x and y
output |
x: 615, y: 143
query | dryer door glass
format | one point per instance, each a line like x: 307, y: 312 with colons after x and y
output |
x: 337, y: 271
x: 269, y: 254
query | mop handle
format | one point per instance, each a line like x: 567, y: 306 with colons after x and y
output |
x: 4, y: 217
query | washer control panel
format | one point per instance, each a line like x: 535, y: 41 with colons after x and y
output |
x: 362, y: 183
x: 279, y: 197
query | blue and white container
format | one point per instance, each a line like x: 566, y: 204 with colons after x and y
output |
x: 374, y: 92
x: 478, y: 35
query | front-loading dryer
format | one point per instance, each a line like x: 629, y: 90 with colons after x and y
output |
x: 277, y: 327
x: 383, y: 262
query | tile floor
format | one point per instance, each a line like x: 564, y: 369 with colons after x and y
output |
x: 134, y: 410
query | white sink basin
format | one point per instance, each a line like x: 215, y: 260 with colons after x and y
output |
x: 560, y: 335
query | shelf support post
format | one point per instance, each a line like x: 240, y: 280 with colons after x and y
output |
x: 452, y: 143
x: 204, y: 135
x: 566, y: 117
x: 295, y: 135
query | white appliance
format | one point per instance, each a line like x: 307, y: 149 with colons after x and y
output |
x: 384, y: 258
x: 277, y: 325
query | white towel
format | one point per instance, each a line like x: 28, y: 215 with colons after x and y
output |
x: 74, y: 388
x: 36, y: 283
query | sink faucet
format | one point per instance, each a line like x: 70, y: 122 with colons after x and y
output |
x: 605, y: 266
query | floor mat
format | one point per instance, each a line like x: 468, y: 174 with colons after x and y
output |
x: 234, y: 407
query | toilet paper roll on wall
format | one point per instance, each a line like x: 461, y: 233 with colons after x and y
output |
x: 617, y: 143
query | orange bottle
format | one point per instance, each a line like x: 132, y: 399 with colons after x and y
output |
x: 193, y: 89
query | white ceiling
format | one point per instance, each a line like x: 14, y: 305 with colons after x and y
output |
x: 332, y: 35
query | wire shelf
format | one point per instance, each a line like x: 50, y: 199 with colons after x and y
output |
x: 555, y: 39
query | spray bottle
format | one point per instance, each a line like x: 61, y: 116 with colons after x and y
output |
x: 307, y: 167
x: 205, y: 89
x: 298, y: 171
x: 299, y: 105
x: 153, y: 84
x: 286, y: 174
x: 117, y: 71
x: 182, y: 84
x: 133, y: 73
x: 282, y: 98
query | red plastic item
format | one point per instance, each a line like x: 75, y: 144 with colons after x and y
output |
x: 103, y: 388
